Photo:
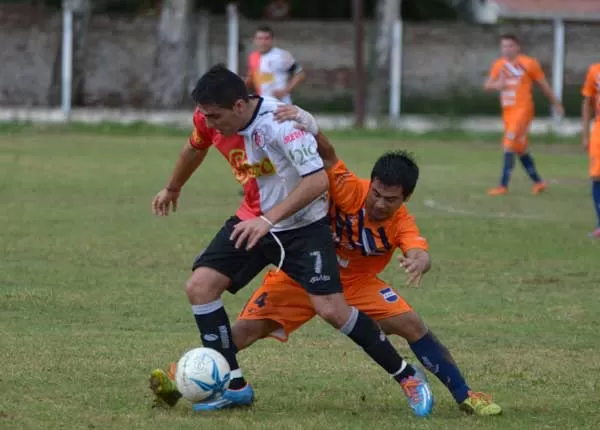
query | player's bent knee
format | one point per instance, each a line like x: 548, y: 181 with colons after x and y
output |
x: 206, y: 285
x: 332, y: 308
x: 408, y: 325
x: 246, y: 332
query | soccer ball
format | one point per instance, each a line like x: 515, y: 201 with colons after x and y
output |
x: 202, y: 374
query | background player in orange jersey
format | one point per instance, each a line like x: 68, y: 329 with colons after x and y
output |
x: 591, y: 103
x: 512, y: 76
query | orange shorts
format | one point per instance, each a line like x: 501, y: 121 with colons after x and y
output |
x: 516, y: 130
x: 282, y: 300
x: 594, y: 151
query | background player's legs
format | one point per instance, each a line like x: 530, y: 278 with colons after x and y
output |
x: 596, y: 197
x: 507, y: 168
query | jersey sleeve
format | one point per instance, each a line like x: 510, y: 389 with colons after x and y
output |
x: 407, y: 234
x: 300, y: 148
x: 589, y: 86
x: 202, y: 136
x: 289, y: 63
x: 347, y: 191
x: 535, y: 70
x: 494, y: 72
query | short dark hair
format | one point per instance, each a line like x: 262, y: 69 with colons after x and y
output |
x: 510, y: 36
x: 221, y: 87
x: 265, y: 29
x: 397, y: 168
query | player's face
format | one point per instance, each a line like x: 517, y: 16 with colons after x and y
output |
x: 263, y: 41
x: 227, y: 121
x: 383, y: 200
x: 510, y: 49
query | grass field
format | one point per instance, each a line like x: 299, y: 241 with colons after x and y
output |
x: 91, y: 291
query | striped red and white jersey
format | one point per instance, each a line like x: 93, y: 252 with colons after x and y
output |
x: 269, y: 159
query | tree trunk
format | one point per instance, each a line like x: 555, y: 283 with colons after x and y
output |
x: 174, y: 54
x: 386, y: 11
x: 81, y: 18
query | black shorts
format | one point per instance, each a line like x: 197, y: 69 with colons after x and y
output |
x: 310, y: 257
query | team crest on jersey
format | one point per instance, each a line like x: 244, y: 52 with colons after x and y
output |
x: 262, y: 135
x: 389, y: 295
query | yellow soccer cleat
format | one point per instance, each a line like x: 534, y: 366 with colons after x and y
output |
x: 481, y: 405
x: 163, y: 386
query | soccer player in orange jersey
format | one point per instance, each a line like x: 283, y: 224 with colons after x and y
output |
x: 369, y: 221
x: 512, y: 76
x: 591, y: 138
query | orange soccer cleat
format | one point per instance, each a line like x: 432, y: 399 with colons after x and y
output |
x: 538, y: 188
x: 498, y: 191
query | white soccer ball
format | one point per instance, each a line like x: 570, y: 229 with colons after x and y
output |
x: 202, y: 374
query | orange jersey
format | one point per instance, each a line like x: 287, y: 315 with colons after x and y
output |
x: 365, y: 247
x: 591, y: 87
x: 519, y: 77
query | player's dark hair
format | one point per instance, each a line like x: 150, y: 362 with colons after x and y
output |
x: 510, y: 36
x: 265, y: 29
x: 397, y: 168
x: 219, y: 87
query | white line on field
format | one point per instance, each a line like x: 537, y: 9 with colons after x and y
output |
x: 432, y: 204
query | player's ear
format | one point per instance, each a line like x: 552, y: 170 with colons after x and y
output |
x: 239, y: 106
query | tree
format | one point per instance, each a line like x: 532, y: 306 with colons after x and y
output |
x: 174, y: 53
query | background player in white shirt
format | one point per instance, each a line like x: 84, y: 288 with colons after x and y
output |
x: 272, y: 71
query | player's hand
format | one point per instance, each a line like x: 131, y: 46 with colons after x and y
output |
x: 279, y: 94
x: 164, y: 201
x: 249, y: 232
x: 415, y: 268
x: 304, y: 120
x: 500, y: 83
x: 585, y: 141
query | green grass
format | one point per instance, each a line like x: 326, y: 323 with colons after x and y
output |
x: 91, y: 291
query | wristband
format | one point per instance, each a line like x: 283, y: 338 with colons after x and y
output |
x: 267, y: 220
x: 173, y: 190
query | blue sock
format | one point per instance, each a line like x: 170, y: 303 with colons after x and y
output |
x: 529, y: 165
x: 596, y: 196
x: 507, y: 168
x: 437, y: 359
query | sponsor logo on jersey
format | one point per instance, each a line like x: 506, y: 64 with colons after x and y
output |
x: 296, y: 134
x: 305, y: 154
x: 244, y: 171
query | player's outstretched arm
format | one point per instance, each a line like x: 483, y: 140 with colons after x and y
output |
x: 494, y: 84
x: 188, y: 161
x: 326, y: 150
x: 547, y: 90
x: 587, y: 113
